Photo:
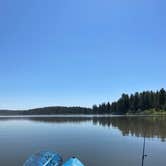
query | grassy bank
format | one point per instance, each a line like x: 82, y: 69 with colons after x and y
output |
x: 149, y: 112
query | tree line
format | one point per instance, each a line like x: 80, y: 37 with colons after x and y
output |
x: 134, y: 103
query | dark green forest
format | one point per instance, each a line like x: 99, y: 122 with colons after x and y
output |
x: 135, y: 103
x: 145, y: 102
x: 56, y: 110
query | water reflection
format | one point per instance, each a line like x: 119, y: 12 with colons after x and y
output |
x: 149, y: 126
x: 136, y: 126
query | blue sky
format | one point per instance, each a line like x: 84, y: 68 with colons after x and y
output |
x: 79, y: 52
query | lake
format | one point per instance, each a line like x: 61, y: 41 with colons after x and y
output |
x: 96, y: 140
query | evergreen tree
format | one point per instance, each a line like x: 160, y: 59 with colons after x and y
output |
x: 135, y: 103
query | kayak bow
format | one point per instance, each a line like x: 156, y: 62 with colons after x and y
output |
x: 44, y: 159
x: 73, y: 162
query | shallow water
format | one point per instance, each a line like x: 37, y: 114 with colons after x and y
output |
x: 97, y: 141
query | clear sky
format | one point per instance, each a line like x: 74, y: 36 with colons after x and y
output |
x: 79, y: 52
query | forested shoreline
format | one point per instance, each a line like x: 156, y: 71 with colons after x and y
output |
x: 135, y: 103
x: 145, y: 102
x: 57, y: 110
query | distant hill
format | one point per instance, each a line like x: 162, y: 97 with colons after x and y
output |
x: 48, y: 111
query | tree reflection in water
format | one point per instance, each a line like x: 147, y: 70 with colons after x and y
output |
x: 149, y: 127
x: 139, y: 126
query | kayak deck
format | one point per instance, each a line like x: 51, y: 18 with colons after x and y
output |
x: 46, y: 158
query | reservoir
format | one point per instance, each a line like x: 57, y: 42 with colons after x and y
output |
x: 95, y: 140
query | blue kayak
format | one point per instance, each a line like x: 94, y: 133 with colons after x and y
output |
x: 73, y: 162
x: 51, y: 159
x: 44, y: 159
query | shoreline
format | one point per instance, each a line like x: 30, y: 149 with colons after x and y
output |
x: 79, y: 115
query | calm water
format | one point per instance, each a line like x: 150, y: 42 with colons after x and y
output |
x: 97, y: 141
